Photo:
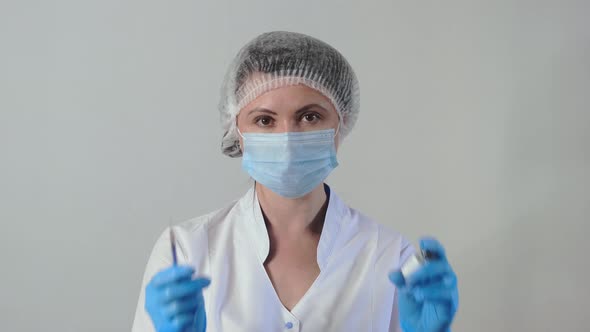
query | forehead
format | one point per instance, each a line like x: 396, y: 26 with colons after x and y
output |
x: 290, y: 98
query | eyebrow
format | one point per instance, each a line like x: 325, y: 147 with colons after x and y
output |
x: 299, y: 111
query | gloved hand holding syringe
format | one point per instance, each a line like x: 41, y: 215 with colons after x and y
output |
x: 174, y: 298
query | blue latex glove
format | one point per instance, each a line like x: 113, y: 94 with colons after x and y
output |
x: 174, y: 300
x: 429, y: 299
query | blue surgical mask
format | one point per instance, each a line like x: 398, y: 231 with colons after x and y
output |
x: 290, y: 164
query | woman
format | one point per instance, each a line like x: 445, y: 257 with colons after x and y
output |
x: 289, y: 254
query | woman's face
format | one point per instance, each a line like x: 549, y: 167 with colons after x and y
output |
x: 292, y: 108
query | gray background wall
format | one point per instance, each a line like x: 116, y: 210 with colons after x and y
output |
x: 475, y: 128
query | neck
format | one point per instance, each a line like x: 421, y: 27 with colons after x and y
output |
x: 293, y: 216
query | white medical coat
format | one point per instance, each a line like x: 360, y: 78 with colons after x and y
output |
x: 351, y: 293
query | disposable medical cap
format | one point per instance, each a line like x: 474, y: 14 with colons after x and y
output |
x: 280, y: 58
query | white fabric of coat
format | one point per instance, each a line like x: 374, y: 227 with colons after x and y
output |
x: 351, y: 293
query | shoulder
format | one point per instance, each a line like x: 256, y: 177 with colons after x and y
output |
x: 193, y: 234
x: 391, y: 248
x: 204, y: 222
x: 385, y: 233
x: 387, y: 239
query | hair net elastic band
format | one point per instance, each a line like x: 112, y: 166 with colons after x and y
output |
x: 256, y: 87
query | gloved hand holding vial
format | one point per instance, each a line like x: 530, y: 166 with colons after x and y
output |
x: 427, y: 289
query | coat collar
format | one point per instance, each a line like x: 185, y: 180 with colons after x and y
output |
x: 253, y: 222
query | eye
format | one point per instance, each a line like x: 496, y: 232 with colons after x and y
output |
x: 311, y: 117
x: 263, y: 121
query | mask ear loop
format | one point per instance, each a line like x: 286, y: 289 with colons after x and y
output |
x: 239, y: 132
x: 238, y: 129
x: 339, y: 125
